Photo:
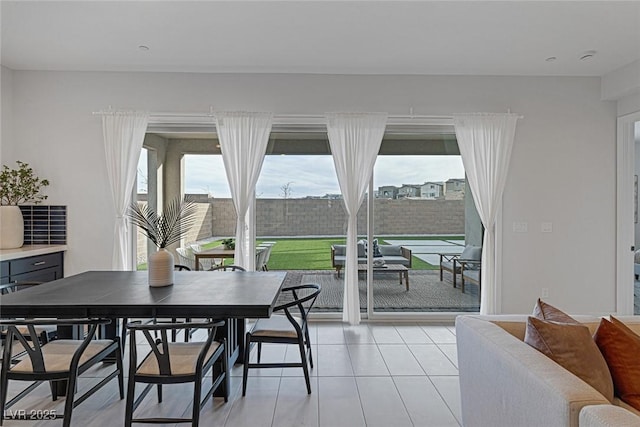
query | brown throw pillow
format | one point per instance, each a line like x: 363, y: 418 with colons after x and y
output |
x: 620, y: 347
x: 572, y: 347
x: 544, y: 311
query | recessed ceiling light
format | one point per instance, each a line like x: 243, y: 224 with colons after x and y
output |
x: 585, y: 56
x: 143, y: 48
x: 551, y: 59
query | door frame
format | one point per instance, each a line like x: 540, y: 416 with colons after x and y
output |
x: 625, y: 227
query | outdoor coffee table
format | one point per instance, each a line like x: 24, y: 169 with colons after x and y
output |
x: 390, y: 268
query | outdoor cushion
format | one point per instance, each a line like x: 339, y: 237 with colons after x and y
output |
x: 396, y: 260
x: 471, y: 274
x: 470, y: 252
x: 392, y: 250
x: 339, y: 249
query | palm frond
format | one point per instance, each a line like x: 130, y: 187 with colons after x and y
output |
x: 177, y: 217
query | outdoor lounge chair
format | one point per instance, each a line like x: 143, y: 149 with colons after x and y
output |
x: 452, y: 262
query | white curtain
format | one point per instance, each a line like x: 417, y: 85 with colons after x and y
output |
x: 485, y: 142
x: 355, y: 140
x: 243, y: 140
x: 123, y: 134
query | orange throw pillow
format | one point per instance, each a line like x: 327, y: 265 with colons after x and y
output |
x: 620, y: 347
x: 572, y: 347
x: 544, y: 311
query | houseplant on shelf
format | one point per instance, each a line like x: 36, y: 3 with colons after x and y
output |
x: 17, y: 186
x: 164, y: 229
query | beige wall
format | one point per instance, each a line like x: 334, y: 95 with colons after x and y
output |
x: 566, y: 142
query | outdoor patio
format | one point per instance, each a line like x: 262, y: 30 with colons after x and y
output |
x: 426, y: 292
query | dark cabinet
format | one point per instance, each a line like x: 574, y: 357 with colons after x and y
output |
x: 39, y: 268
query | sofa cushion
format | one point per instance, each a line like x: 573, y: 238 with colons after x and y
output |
x: 572, y: 347
x: 376, y: 249
x: 545, y: 311
x: 396, y: 260
x: 339, y: 249
x: 620, y: 347
x: 390, y: 250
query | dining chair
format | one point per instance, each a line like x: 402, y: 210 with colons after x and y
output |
x: 227, y: 268
x: 283, y: 327
x: 56, y: 360
x: 206, y: 263
x: 175, y: 363
x: 267, y: 255
x: 45, y: 333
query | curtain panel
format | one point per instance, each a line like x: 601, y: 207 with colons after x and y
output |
x: 243, y: 138
x: 485, y: 141
x: 123, y: 133
x: 355, y: 140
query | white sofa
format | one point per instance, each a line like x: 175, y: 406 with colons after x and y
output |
x: 505, y: 382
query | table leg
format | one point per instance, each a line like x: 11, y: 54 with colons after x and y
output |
x: 406, y: 278
x: 233, y: 332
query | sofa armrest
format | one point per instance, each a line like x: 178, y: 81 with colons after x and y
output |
x: 607, y: 416
x: 505, y: 382
x: 406, y: 252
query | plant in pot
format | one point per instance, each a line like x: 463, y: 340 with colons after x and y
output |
x: 163, y: 229
x: 229, y: 244
x: 17, y: 186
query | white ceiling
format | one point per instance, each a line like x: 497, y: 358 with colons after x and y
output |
x: 343, y: 37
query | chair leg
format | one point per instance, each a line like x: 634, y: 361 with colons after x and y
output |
x: 245, y: 370
x: 441, y: 273
x: 159, y: 387
x: 131, y: 391
x: 68, y: 404
x: 225, y: 369
x: 306, y: 334
x: 259, y: 351
x: 4, y: 383
x: 197, y: 391
x: 54, y: 390
x: 305, y: 368
x: 120, y: 366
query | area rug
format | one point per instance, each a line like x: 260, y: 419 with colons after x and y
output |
x: 426, y: 292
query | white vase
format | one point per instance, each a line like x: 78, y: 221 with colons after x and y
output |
x: 160, y: 266
x: 11, y: 227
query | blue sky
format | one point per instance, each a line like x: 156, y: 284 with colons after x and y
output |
x: 310, y: 175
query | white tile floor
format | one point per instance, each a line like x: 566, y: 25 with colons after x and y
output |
x: 375, y: 374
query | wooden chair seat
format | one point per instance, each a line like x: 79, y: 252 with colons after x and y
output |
x: 183, y: 358
x: 276, y: 326
x: 57, y: 355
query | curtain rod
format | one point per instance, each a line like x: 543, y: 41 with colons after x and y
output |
x: 284, y: 117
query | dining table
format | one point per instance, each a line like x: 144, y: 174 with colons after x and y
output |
x: 117, y: 295
x: 218, y: 252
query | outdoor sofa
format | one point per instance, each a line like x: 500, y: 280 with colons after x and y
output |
x: 390, y: 254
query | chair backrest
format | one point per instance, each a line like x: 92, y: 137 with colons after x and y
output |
x: 186, y: 257
x: 260, y: 258
x: 304, y: 296
x: 160, y: 346
x: 267, y: 250
x: 227, y: 268
x: 471, y: 253
x: 180, y: 267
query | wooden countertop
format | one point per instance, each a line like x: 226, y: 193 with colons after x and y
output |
x: 30, y: 250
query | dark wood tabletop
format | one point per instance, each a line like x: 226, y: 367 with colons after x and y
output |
x: 126, y: 294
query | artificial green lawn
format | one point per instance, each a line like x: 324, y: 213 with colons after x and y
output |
x: 315, y: 253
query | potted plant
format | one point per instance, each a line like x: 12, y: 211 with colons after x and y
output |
x: 229, y: 243
x: 163, y: 229
x: 17, y: 186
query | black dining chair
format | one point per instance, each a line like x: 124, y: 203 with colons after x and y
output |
x: 174, y: 363
x: 44, y: 332
x: 56, y: 360
x: 227, y: 268
x: 285, y: 326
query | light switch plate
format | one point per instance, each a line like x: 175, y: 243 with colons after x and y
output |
x: 546, y: 227
x: 520, y: 227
